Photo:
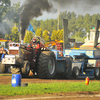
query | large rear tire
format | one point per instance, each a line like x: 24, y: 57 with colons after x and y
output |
x: 25, y: 69
x: 46, y: 65
x: 4, y: 69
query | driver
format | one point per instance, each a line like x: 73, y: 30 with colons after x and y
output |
x: 36, y: 44
x: 3, y: 51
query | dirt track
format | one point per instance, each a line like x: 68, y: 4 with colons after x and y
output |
x: 7, y: 80
x: 57, y: 96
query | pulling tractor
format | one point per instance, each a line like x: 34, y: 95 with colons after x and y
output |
x: 34, y: 57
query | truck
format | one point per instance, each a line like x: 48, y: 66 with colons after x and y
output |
x: 47, y: 63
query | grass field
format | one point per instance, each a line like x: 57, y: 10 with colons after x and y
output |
x: 6, y: 74
x: 43, y: 88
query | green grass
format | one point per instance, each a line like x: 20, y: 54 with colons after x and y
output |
x: 43, y: 88
x: 6, y: 74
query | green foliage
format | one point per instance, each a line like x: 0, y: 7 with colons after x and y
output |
x: 39, y: 32
x: 9, y: 15
x: 36, y: 24
x: 28, y: 36
x: 45, y: 35
x: 60, y: 34
x: 43, y: 88
x: 78, y: 25
x: 71, y: 23
x: 57, y: 35
x: 6, y: 74
x: 14, y: 36
x: 54, y: 35
x: 13, y: 13
x: 4, y: 27
x: 49, y: 24
x: 79, y: 36
x: 4, y: 5
x: 7, y: 37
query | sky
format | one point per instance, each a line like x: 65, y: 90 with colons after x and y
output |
x: 78, y: 7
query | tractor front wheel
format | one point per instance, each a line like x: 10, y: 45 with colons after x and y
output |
x: 25, y: 69
x: 4, y: 69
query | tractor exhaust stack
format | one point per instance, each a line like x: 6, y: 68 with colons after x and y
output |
x: 65, y: 35
x: 96, y: 34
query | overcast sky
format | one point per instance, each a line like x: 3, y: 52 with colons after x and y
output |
x: 78, y: 9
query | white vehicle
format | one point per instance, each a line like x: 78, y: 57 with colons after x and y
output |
x: 9, y: 60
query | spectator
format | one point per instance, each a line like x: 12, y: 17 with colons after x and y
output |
x: 3, y: 52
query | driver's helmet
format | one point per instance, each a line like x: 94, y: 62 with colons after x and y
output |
x: 34, y: 40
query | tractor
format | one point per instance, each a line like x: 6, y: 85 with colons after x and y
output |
x: 34, y: 57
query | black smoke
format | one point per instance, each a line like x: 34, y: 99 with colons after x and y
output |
x: 31, y: 9
x: 35, y: 8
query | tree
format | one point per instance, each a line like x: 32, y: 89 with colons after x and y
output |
x: 42, y: 25
x: 94, y: 19
x: 36, y: 24
x: 39, y: 32
x: 14, y: 36
x: 45, y: 35
x: 87, y: 22
x: 60, y: 34
x: 49, y: 24
x: 54, y: 35
x: 80, y: 23
x: 79, y: 36
x: 13, y: 13
x: 4, y: 29
x: 7, y: 37
x: 28, y: 36
x: 71, y: 23
x: 4, y: 5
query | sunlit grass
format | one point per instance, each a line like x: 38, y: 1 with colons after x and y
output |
x: 43, y: 88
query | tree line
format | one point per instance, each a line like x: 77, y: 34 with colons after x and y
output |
x: 78, y: 25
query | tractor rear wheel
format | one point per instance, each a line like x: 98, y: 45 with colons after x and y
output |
x: 76, y: 72
x: 46, y: 65
x: 4, y: 69
x: 25, y: 69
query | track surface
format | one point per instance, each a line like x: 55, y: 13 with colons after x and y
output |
x: 58, y: 96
